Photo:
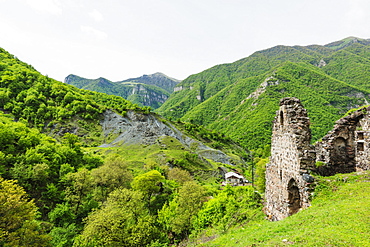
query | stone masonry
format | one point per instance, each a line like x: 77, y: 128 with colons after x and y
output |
x: 344, y: 149
x: 292, y: 158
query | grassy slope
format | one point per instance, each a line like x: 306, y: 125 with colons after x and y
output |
x: 170, y: 152
x: 339, y: 216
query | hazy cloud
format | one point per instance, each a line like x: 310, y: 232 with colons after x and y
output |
x: 94, y: 32
x: 96, y: 15
x: 49, y: 6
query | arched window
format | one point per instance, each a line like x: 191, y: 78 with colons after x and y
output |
x: 281, y: 118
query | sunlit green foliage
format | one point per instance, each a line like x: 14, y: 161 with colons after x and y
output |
x: 260, y: 178
x: 148, y: 184
x: 18, y: 225
x: 123, y: 220
x: 176, y: 217
x: 52, y: 106
x: 232, y: 206
x: 38, y: 162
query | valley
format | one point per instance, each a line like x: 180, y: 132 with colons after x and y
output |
x: 140, y: 162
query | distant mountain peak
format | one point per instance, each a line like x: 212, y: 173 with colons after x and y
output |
x: 157, y: 79
x: 148, y: 90
x: 341, y: 44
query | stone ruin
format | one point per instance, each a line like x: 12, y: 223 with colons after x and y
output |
x: 292, y: 157
x: 344, y: 149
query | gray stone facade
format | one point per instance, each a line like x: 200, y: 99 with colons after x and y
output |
x: 292, y: 158
x: 344, y: 149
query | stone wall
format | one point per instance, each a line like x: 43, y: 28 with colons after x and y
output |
x: 292, y: 157
x: 362, y: 138
x: 345, y: 148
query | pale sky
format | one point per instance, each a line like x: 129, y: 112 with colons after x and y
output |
x: 120, y: 39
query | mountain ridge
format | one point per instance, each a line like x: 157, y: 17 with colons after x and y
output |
x: 147, y: 90
x: 157, y: 79
x: 215, y: 96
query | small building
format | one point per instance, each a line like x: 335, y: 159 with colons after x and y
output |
x: 234, y: 179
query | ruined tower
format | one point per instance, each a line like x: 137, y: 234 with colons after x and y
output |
x: 292, y: 158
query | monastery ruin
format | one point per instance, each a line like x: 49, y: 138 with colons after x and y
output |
x: 344, y: 149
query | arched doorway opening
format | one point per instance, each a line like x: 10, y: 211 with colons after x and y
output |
x: 294, y: 199
x: 340, y: 150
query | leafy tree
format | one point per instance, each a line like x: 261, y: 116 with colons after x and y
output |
x: 62, y: 215
x: 176, y: 217
x: 79, y: 192
x: 124, y: 220
x: 111, y: 175
x: 64, y: 236
x: 18, y: 225
x: 148, y: 183
x: 179, y: 175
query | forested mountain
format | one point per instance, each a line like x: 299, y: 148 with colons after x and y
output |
x: 240, y: 98
x: 147, y: 90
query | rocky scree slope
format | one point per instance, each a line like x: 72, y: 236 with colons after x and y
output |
x: 57, y: 109
x: 146, y: 129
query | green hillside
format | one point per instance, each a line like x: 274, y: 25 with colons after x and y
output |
x: 148, y: 90
x: 52, y: 106
x: 206, y: 84
x: 240, y: 99
x: 339, y: 216
x: 61, y: 174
